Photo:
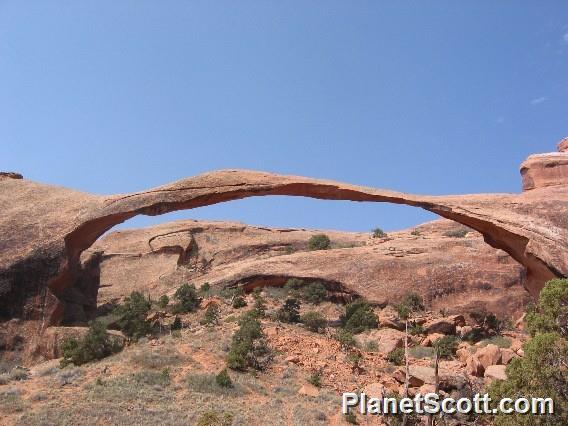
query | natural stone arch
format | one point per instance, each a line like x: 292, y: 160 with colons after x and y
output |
x: 49, y: 227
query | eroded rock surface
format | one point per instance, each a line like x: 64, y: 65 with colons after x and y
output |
x: 45, y: 228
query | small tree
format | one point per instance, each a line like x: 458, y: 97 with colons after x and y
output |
x: 96, y: 344
x: 239, y: 302
x: 314, y: 321
x: 248, y: 348
x: 259, y: 304
x: 290, y: 311
x: 396, y: 356
x: 379, y: 233
x: 205, y: 289
x: 345, y: 339
x: 133, y: 315
x: 319, y: 242
x: 314, y: 293
x: 223, y: 379
x: 446, y: 346
x: 187, y: 299
x: 211, y: 315
x: 358, y: 317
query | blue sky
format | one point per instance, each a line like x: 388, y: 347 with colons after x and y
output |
x: 425, y: 97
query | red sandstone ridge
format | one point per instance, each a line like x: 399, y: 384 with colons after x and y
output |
x: 551, y: 169
x: 449, y: 272
x: 45, y: 228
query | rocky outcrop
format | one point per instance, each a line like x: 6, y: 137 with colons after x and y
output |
x: 460, y: 273
x: 542, y: 170
x: 45, y: 228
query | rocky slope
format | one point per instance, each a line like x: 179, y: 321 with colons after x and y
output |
x: 46, y: 228
x: 448, y: 270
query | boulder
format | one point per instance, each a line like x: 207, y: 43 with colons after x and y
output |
x: 462, y: 355
x: 431, y: 338
x: 441, y: 326
x: 496, y: 372
x: 464, y: 330
x: 388, y: 339
x: 507, y: 355
x: 374, y: 390
x: 489, y: 355
x: 388, y: 318
x: 420, y: 375
x: 563, y: 145
x: 309, y: 390
x: 473, y: 367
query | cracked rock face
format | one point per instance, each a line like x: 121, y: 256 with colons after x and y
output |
x: 45, y: 228
x: 426, y: 259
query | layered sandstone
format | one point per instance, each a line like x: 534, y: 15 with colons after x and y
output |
x: 449, y: 272
x: 45, y: 228
x: 542, y: 170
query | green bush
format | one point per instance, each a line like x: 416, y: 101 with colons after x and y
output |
x: 421, y: 352
x: 446, y: 346
x: 212, y: 418
x: 542, y: 371
x: 415, y: 329
x: 163, y: 301
x: 205, y: 290
x: 315, y: 379
x: 259, y: 304
x: 414, y: 301
x: 290, y: 311
x: 133, y: 315
x: 403, y: 311
x: 551, y: 312
x: 223, y: 379
x: 248, y: 347
x: 319, y: 242
x: 211, y: 315
x: 187, y: 299
x: 239, y: 302
x: 314, y: 321
x: 314, y: 293
x: 96, y: 344
x: 358, y: 317
x: 396, y: 357
x: 379, y: 233
x: 345, y: 338
x: 488, y: 321
x: 176, y: 325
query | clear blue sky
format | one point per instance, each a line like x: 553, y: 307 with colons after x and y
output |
x: 424, y: 97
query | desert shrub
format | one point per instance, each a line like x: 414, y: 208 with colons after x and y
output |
x: 239, y: 302
x: 187, y: 299
x: 314, y: 293
x: 403, y: 311
x: 11, y: 402
x: 69, y: 375
x: 315, y: 379
x: 314, y: 321
x: 457, y: 233
x: 96, y: 344
x: 155, y: 358
x: 152, y: 378
x: 211, y: 315
x: 488, y: 321
x: 421, y: 352
x: 248, y: 347
x: 358, y: 317
x: 133, y: 313
x: 319, y: 242
x: 542, y: 371
x: 223, y: 379
x: 415, y: 329
x: 396, y: 357
x: 414, y: 301
x: 205, y: 290
x: 371, y: 346
x: 212, y: 418
x: 163, y: 301
x: 259, y: 304
x: 290, y: 311
x: 379, y: 233
x: 176, y: 324
x: 415, y: 232
x: 345, y: 338
x: 351, y: 418
x: 551, y: 312
x: 446, y: 346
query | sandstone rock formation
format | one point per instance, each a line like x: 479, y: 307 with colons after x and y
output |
x: 45, y: 228
x: 455, y: 273
x: 542, y: 170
